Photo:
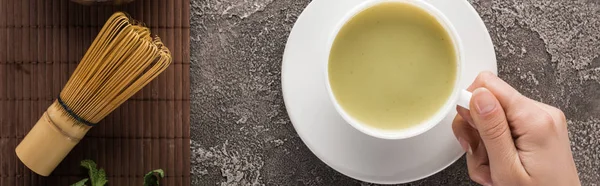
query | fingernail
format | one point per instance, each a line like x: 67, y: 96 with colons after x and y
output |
x: 484, y: 100
x: 465, y: 146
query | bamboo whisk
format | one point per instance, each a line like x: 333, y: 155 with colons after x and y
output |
x: 121, y: 60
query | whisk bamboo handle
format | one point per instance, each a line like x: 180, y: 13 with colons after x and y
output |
x: 50, y: 140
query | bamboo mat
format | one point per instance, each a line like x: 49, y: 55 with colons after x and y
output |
x: 41, y: 42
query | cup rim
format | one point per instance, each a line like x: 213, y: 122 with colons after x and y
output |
x: 436, y: 118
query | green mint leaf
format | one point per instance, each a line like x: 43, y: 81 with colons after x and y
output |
x: 152, y: 177
x: 97, y: 177
x: 81, y: 182
x: 90, y: 165
x: 100, y: 178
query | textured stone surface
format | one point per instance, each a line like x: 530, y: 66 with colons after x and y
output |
x: 241, y: 134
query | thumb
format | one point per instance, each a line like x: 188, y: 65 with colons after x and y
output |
x: 491, y: 123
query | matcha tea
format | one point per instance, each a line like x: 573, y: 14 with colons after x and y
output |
x: 392, y: 66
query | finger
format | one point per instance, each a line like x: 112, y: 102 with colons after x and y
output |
x: 506, y: 94
x: 557, y: 115
x: 477, y: 160
x: 508, y: 97
x: 479, y: 166
x: 493, y: 128
x: 466, y: 115
x: 516, y: 106
x: 535, y: 122
x: 465, y: 134
x: 560, y: 120
x: 535, y: 130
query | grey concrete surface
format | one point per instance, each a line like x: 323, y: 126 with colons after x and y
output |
x: 241, y: 134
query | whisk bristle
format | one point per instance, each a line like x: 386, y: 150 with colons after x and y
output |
x: 122, y: 59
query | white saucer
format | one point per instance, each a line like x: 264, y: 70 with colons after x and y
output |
x: 338, y: 144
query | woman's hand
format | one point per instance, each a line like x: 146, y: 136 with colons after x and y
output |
x: 513, y: 140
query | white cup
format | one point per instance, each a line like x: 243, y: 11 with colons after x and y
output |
x: 458, y: 96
